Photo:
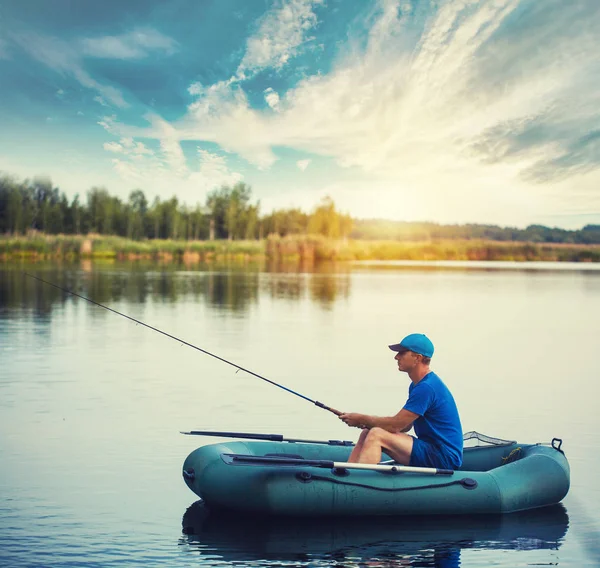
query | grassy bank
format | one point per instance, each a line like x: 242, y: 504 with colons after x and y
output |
x: 72, y: 247
x: 292, y: 248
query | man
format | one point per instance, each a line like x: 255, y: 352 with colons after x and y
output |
x: 430, y: 408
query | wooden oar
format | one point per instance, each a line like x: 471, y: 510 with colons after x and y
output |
x: 327, y: 464
x: 267, y: 437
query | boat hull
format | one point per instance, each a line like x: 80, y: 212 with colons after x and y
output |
x: 489, y: 482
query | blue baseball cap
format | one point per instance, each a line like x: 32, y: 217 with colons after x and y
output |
x: 415, y: 342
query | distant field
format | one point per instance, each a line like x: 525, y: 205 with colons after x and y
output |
x: 292, y: 248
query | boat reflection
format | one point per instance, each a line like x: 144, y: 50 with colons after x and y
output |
x: 377, y: 542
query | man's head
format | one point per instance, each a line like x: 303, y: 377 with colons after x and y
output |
x: 417, y: 344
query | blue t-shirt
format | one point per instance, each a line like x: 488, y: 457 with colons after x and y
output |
x: 438, y: 422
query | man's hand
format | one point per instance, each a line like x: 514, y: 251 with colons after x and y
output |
x: 354, y: 419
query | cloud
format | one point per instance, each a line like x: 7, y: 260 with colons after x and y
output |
x: 213, y: 172
x: 302, y: 164
x: 279, y: 36
x: 109, y: 123
x: 128, y: 146
x: 219, y: 109
x: 67, y: 58
x: 136, y: 44
x: 196, y: 89
x: 580, y: 156
x: 272, y: 98
x: 170, y: 146
x: 430, y: 118
x: 63, y: 58
x: 167, y: 168
x: 484, y: 107
x: 128, y: 170
x: 219, y: 112
x: 113, y: 147
x: 135, y: 148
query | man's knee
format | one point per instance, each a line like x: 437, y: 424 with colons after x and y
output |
x: 388, y: 439
x: 376, y: 433
x: 391, y: 440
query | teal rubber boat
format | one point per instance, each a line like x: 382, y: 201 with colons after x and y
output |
x: 294, y: 478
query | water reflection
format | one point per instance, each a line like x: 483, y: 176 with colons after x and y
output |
x: 410, y: 541
x: 323, y: 289
x: 228, y: 290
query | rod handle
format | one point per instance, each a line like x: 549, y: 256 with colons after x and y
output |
x: 321, y: 405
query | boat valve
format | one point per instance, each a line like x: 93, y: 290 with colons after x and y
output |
x: 468, y: 483
x: 340, y: 471
x: 304, y: 477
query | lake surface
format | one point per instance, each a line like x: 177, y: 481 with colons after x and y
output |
x: 91, y: 404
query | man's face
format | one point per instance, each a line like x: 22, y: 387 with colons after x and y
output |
x: 407, y: 360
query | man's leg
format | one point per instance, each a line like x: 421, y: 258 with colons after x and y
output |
x: 359, y: 446
x: 398, y: 446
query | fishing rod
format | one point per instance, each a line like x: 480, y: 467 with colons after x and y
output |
x: 238, y: 367
x: 267, y: 437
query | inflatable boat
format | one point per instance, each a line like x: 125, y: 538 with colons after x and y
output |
x: 297, y: 478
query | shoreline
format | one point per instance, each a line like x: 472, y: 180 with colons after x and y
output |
x: 294, y: 248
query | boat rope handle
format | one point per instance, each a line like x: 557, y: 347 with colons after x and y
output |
x: 466, y: 482
x: 558, y: 444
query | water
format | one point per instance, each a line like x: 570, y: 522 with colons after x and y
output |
x: 91, y: 404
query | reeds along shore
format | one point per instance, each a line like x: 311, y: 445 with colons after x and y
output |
x: 301, y: 248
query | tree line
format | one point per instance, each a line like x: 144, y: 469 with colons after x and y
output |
x: 371, y: 229
x: 227, y: 213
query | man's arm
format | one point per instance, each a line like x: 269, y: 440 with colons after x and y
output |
x: 401, y: 422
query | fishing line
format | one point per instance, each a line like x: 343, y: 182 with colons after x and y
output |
x: 238, y: 367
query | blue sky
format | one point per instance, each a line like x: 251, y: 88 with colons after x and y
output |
x: 451, y: 111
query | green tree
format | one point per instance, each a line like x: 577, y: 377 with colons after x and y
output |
x: 43, y: 197
x: 250, y: 222
x: 137, y: 209
x: 199, y: 223
x: 154, y: 216
x: 325, y: 220
x: 346, y: 226
x: 217, y: 203
x: 172, y: 218
x: 238, y: 199
x: 11, y: 206
x: 78, y: 216
x: 100, y: 210
x: 15, y: 211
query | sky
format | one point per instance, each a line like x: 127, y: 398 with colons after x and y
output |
x: 451, y: 111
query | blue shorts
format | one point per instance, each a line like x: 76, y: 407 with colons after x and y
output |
x: 425, y: 454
